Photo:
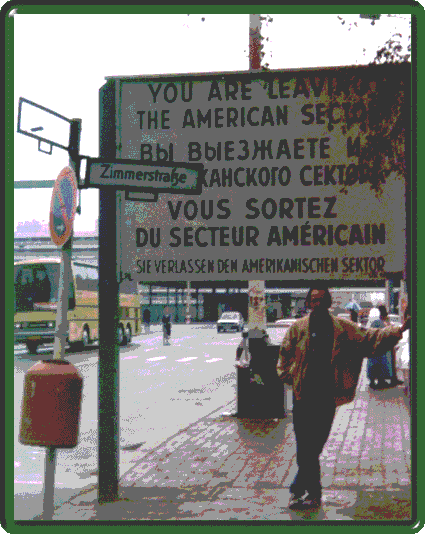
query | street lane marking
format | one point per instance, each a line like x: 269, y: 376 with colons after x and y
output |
x: 225, y: 344
x: 188, y: 359
x: 129, y: 357
x: 156, y: 359
x: 28, y: 482
x: 214, y: 360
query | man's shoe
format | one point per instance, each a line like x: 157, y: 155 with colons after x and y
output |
x: 312, y: 502
x: 295, y: 501
x: 305, y: 502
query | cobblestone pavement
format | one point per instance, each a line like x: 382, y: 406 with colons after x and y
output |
x: 224, y: 468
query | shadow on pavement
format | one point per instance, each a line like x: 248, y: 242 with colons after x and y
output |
x: 263, y: 435
x: 372, y: 505
x: 147, y: 504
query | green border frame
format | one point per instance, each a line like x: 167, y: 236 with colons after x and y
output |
x: 414, y: 8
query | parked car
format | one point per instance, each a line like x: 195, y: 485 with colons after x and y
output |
x: 285, y: 322
x: 230, y: 321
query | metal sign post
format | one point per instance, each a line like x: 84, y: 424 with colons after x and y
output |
x: 256, y: 288
x: 62, y: 213
x: 108, y: 402
x: 63, y: 207
x: 67, y: 198
x: 110, y: 174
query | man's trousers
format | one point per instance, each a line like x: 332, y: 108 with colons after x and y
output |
x: 312, y: 417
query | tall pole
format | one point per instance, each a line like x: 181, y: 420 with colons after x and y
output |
x: 66, y: 255
x: 188, y: 298
x: 408, y: 267
x: 256, y: 288
x: 254, y: 42
x: 108, y: 369
x: 61, y: 332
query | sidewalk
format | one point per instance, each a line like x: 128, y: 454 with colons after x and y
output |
x: 223, y: 468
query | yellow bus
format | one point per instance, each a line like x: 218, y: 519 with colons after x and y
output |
x: 36, y: 298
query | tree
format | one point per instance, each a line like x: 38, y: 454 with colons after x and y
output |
x: 397, y: 49
x: 382, y: 148
x: 392, y: 51
x: 381, y: 141
x: 380, y: 145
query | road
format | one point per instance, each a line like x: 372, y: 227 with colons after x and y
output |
x: 163, y: 389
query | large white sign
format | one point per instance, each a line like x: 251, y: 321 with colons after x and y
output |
x: 294, y: 185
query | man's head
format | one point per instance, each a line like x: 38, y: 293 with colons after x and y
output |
x: 318, y: 300
x: 383, y: 312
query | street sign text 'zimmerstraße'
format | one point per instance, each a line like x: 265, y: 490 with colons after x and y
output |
x: 130, y: 175
x: 299, y: 181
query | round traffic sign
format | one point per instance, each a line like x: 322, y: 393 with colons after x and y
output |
x: 63, y: 206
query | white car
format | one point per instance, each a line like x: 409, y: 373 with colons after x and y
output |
x: 230, y: 321
x: 285, y: 322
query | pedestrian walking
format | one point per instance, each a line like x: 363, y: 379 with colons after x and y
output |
x: 403, y: 361
x: 166, y: 327
x: 381, y: 370
x: 321, y: 357
x: 147, y: 320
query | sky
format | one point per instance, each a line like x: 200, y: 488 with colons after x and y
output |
x: 62, y: 69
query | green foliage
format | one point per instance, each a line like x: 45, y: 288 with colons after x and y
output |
x: 383, y: 143
x: 392, y: 51
x: 382, y: 132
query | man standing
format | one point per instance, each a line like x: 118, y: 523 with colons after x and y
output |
x: 321, y: 357
x: 166, y: 327
x: 147, y: 320
x: 381, y: 371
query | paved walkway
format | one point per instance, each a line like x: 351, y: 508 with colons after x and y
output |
x: 222, y: 468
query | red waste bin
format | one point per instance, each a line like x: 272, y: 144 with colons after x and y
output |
x: 50, y: 411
